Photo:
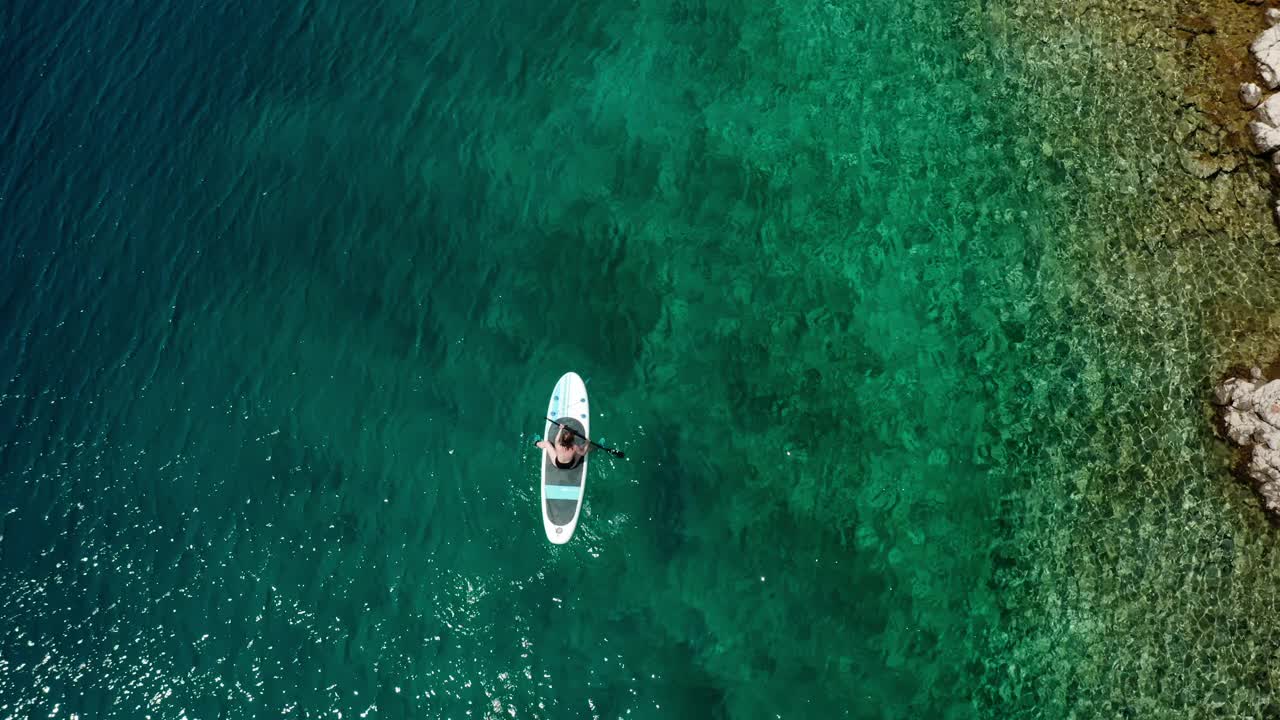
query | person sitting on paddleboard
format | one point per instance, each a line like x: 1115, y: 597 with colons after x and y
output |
x: 566, y: 454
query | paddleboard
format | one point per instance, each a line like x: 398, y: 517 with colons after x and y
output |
x: 562, y: 490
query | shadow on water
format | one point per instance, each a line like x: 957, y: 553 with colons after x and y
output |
x: 604, y: 298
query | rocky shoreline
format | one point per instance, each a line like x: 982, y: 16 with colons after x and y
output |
x: 1249, y: 408
x: 1264, y: 130
x: 1251, y: 419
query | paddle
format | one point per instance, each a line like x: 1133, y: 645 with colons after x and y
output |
x: 616, y: 453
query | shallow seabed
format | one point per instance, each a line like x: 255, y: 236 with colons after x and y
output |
x: 905, y: 314
x: 1140, y: 580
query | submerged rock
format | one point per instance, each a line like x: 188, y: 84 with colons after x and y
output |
x: 1251, y: 419
x: 1250, y: 95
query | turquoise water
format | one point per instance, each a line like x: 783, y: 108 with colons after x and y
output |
x: 286, y: 287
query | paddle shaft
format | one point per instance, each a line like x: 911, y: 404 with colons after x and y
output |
x: 611, y: 451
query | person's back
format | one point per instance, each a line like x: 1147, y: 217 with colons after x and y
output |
x: 565, y: 453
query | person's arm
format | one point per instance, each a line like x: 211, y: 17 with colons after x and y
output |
x: 544, y: 445
x: 586, y: 446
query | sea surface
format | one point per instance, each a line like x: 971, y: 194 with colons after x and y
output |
x: 284, y: 287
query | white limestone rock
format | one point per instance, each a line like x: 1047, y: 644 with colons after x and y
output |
x: 1222, y: 394
x: 1250, y: 95
x: 1235, y: 392
x: 1272, y: 15
x: 1269, y: 111
x: 1265, y: 137
x: 1270, y: 493
x: 1242, y: 399
x: 1266, y: 403
x: 1242, y: 426
x: 1251, y: 419
x: 1266, y: 55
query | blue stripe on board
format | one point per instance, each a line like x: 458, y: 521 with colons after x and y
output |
x: 564, y: 492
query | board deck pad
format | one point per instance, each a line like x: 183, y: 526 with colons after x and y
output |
x: 563, y: 487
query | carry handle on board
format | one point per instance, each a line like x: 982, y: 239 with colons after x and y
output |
x: 616, y: 453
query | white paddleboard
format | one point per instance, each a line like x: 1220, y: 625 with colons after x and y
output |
x: 563, y: 490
